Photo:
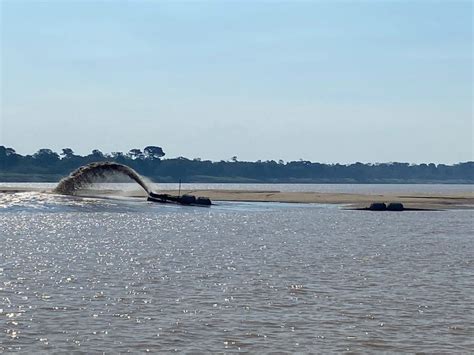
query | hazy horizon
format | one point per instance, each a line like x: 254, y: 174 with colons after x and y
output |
x: 333, y: 82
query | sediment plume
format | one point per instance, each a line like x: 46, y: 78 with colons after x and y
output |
x: 95, y: 172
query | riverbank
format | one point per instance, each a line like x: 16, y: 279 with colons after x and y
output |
x: 412, y: 200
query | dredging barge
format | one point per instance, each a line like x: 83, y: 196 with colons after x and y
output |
x: 185, y: 200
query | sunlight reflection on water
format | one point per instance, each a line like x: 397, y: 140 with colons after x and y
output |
x: 126, y: 275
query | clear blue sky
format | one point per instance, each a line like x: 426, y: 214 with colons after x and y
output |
x: 328, y: 81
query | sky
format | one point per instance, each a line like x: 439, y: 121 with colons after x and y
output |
x: 326, y: 81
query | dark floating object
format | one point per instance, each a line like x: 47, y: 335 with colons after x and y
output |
x: 395, y: 206
x: 378, y: 206
x: 203, y: 201
x: 187, y: 200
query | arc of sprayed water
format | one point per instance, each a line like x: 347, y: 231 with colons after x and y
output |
x: 88, y: 174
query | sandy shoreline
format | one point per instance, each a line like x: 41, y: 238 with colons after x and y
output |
x: 424, y: 201
x: 351, y: 200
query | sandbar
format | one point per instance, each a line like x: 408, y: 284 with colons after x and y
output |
x: 420, y: 201
x: 348, y: 200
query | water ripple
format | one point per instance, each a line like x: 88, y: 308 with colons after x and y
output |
x: 124, y: 275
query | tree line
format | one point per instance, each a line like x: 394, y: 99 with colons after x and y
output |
x: 47, y: 165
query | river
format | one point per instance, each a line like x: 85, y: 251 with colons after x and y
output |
x: 121, y: 274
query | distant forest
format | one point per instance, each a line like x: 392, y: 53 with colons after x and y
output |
x: 48, y: 166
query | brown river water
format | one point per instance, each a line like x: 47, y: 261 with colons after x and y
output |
x: 121, y: 274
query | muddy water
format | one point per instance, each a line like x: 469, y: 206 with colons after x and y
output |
x: 121, y: 275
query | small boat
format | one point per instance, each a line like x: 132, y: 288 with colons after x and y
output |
x: 186, y: 200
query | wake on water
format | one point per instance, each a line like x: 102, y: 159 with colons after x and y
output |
x: 91, y: 173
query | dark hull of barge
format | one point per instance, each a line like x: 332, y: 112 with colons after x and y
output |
x: 185, y: 200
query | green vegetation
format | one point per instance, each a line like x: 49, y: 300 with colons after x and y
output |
x: 48, y: 166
